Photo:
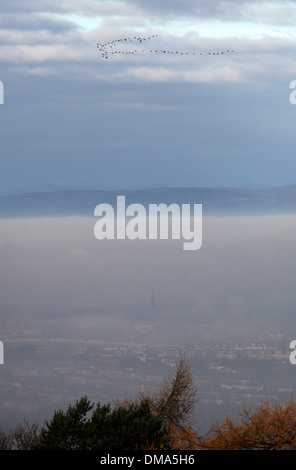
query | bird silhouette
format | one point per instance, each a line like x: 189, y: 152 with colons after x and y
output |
x: 104, y: 48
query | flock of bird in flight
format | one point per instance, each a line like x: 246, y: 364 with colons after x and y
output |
x: 111, y: 47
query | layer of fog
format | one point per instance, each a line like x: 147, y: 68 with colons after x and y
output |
x: 242, y: 279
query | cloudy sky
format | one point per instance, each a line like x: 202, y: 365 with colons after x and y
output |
x: 74, y: 119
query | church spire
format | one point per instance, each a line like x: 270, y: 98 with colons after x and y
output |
x: 153, y: 301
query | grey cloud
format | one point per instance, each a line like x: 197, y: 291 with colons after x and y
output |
x: 36, y: 22
x: 254, y: 11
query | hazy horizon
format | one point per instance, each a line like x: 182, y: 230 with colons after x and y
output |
x: 243, y: 268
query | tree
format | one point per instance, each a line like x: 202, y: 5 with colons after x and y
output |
x: 174, y: 402
x: 163, y: 420
x: 123, y: 428
x: 5, y: 441
x: 67, y: 430
x: 128, y: 427
x: 267, y: 428
x: 25, y: 436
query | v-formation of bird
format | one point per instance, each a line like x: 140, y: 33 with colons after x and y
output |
x: 111, y: 47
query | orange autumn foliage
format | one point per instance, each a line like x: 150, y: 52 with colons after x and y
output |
x: 267, y: 428
x: 179, y: 438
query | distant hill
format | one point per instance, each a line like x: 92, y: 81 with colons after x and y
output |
x: 215, y: 201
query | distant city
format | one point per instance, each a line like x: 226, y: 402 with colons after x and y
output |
x: 45, y: 370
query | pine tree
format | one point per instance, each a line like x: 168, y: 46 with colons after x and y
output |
x: 122, y: 428
x: 67, y: 430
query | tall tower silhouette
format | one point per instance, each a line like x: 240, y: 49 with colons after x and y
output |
x: 153, y: 301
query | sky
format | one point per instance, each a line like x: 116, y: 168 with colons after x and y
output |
x: 74, y: 119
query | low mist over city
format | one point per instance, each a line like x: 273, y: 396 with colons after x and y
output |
x: 106, y: 318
